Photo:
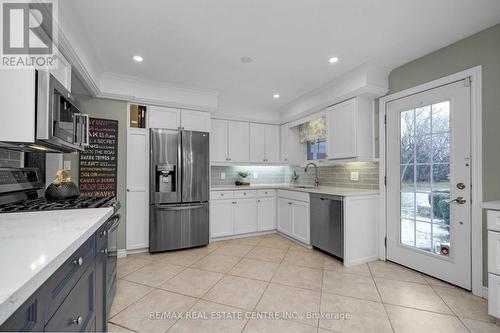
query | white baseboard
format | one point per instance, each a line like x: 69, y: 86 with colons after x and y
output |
x: 485, y: 293
x: 121, y: 253
x: 259, y: 233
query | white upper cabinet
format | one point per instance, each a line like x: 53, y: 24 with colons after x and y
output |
x: 284, y: 142
x: 272, y: 143
x: 264, y: 143
x: 257, y: 143
x: 195, y: 120
x: 219, y: 141
x: 62, y: 72
x: 172, y: 118
x: 163, y: 117
x: 239, y: 141
x: 350, y: 129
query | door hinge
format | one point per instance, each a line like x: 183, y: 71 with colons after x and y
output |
x: 385, y: 242
x: 467, y: 81
x: 385, y: 180
x: 385, y: 119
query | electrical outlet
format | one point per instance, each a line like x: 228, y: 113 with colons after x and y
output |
x: 354, y: 175
x: 255, y: 175
x: 222, y: 175
x: 67, y: 165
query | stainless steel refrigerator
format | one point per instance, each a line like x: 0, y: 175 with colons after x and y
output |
x: 178, y: 185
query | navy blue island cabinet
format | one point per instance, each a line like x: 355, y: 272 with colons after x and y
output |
x: 73, y: 299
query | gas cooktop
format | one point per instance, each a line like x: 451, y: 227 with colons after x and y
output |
x: 41, y: 204
x: 21, y: 188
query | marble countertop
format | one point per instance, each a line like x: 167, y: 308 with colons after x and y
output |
x: 34, y: 245
x: 495, y: 205
x: 341, y: 191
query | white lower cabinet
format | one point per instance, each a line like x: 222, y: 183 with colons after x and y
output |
x: 293, y: 215
x: 493, y: 222
x: 241, y: 212
x: 221, y: 218
x: 284, y: 216
x: 266, y: 213
x: 300, y: 221
x: 245, y: 216
x: 494, y: 295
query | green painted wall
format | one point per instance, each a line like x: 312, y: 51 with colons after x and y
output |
x: 482, y: 49
x: 117, y: 110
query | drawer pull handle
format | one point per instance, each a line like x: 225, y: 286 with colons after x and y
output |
x: 78, y: 321
x: 78, y: 261
x: 105, y: 251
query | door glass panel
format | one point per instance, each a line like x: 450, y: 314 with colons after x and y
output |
x: 425, y: 185
x: 408, y: 232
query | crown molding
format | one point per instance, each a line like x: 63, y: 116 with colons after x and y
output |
x: 77, y: 64
x: 365, y: 80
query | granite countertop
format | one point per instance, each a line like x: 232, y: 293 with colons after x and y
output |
x: 341, y: 191
x: 34, y: 245
x: 495, y: 205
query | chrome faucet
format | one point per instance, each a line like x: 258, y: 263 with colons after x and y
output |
x: 316, y: 178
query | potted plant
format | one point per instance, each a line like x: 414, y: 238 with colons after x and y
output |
x: 243, y: 175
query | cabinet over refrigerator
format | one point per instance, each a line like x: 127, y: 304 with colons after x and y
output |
x: 179, y: 189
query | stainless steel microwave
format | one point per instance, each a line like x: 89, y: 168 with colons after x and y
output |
x: 44, y: 116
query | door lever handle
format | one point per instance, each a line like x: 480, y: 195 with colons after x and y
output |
x: 458, y: 200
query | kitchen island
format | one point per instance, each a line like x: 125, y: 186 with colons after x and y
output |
x: 47, y: 259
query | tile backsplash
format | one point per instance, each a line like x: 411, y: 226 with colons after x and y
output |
x: 340, y: 175
x: 331, y: 175
x: 258, y: 174
x: 10, y: 158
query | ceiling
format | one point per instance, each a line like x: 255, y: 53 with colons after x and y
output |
x: 199, y: 43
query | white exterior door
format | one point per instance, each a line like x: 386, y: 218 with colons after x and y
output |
x: 429, y: 183
x: 137, y: 189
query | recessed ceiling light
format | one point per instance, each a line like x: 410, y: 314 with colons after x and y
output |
x: 246, y: 60
x: 138, y: 58
x: 333, y: 60
x: 276, y: 96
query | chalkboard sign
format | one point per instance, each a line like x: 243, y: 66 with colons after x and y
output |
x: 99, y: 161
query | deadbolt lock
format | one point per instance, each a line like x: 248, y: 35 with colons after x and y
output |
x: 460, y: 186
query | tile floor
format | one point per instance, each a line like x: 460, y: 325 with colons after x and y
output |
x: 271, y: 275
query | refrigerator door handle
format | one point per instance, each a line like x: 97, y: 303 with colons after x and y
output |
x: 184, y: 207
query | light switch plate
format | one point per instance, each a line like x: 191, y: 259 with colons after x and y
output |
x: 354, y: 175
x: 67, y: 165
x: 222, y: 175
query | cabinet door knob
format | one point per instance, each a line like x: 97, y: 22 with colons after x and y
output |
x: 78, y: 261
x: 258, y: 200
x: 78, y: 321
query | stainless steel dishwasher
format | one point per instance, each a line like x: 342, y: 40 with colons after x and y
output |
x: 327, y: 223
